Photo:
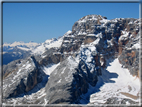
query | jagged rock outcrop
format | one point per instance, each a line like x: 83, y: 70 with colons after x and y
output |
x: 72, y: 80
x: 51, y: 56
x: 129, y: 57
x: 23, y: 79
x: 115, y: 34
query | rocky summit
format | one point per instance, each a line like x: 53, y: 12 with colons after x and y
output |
x: 96, y: 63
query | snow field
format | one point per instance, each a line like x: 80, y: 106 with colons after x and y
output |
x: 113, y: 82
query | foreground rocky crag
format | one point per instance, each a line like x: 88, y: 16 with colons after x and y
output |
x: 22, y: 79
x: 80, y: 60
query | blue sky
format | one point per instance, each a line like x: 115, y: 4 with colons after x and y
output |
x: 40, y: 21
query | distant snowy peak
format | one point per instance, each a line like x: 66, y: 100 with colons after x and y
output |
x: 49, y: 43
x: 30, y: 44
x: 8, y: 47
x: 20, y: 45
x: 68, y: 33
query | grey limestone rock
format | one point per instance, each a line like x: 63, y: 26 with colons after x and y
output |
x: 67, y: 82
x: 23, y: 79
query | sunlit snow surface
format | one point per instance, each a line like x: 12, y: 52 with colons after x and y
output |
x: 49, y: 68
x: 47, y: 45
x: 113, y: 81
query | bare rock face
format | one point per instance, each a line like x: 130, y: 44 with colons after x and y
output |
x: 89, y: 39
x: 71, y: 43
x: 51, y: 56
x: 64, y: 85
x: 68, y: 81
x: 23, y: 79
x: 130, y: 56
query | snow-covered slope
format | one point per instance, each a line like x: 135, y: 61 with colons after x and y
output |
x: 116, y: 81
x: 50, y: 43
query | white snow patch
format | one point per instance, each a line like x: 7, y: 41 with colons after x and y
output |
x: 124, y: 36
x: 63, y: 70
x: 28, y: 65
x: 91, y: 35
x: 67, y: 33
x: 39, y: 50
x: 131, y: 22
x: 23, y: 48
x: 104, y: 21
x: 67, y: 41
x: 59, y: 81
x: 127, y: 103
x: 82, y: 33
x: 136, y: 46
x: 96, y: 41
x: 114, y: 20
x: 49, y: 68
x: 82, y: 21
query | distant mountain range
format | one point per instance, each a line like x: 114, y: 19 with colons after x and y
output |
x: 96, y: 63
x: 21, y: 50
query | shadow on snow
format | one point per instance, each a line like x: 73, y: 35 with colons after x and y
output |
x: 104, y: 78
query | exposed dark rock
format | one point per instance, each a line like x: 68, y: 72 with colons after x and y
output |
x: 130, y: 56
x: 89, y: 39
x: 115, y: 100
x: 51, y: 57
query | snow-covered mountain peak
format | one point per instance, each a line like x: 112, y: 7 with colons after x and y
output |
x: 48, y: 41
x: 21, y: 43
x: 67, y: 33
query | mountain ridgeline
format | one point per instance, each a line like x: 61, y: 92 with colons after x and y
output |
x: 67, y: 70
